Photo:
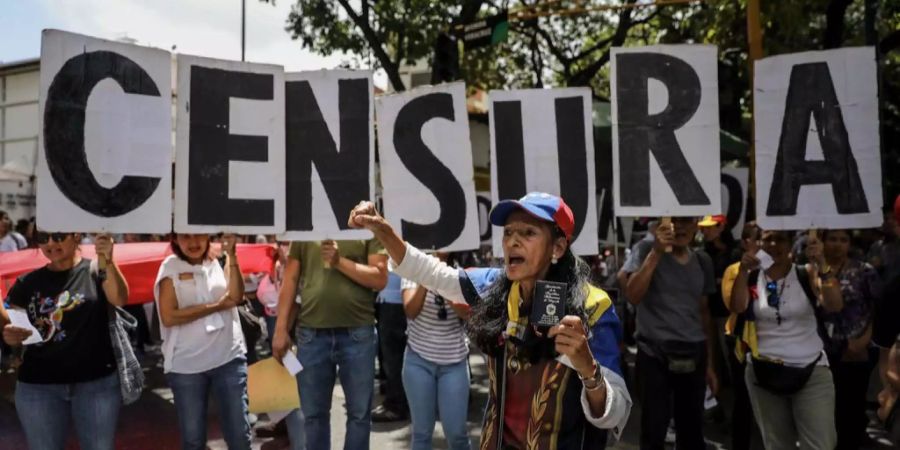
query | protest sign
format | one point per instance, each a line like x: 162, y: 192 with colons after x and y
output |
x: 818, y: 161
x: 665, y: 104
x: 330, y: 152
x: 541, y: 140
x: 426, y: 167
x: 104, y: 161
x: 230, y: 156
x: 483, y: 200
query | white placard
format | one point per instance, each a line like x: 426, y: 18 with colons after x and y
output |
x: 230, y: 157
x: 330, y: 137
x: 426, y: 167
x: 539, y: 134
x: 817, y: 114
x: 105, y: 152
x: 665, y: 115
x: 483, y: 198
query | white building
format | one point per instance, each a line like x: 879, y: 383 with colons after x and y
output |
x: 19, y: 90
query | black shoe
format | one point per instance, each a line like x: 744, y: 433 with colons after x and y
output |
x: 382, y: 414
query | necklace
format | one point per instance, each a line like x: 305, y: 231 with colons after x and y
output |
x: 774, y: 292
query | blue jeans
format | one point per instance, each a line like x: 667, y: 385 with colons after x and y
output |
x: 434, y: 387
x: 93, y: 406
x: 348, y: 353
x: 191, y: 391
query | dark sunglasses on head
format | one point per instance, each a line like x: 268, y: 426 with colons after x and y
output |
x: 43, y: 237
x: 442, y: 307
x: 773, y: 298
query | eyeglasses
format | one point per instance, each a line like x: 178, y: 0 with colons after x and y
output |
x: 773, y: 298
x: 442, y: 307
x: 43, y: 237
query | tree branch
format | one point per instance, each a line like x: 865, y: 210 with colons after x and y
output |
x: 376, y: 45
x: 583, y: 77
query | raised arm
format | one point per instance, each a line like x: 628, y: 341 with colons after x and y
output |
x: 411, y: 263
x: 114, y: 285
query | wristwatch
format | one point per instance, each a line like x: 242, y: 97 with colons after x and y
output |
x: 593, y: 382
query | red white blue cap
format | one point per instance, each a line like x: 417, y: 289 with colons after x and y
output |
x: 543, y: 206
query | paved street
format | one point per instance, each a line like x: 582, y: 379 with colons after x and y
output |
x: 151, y: 423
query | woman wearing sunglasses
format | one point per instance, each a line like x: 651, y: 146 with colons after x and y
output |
x: 551, y: 388
x: 203, y: 345
x: 69, y: 375
x: 791, y: 389
x: 435, y: 373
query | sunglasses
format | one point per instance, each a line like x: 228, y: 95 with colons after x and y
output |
x: 442, y: 307
x: 773, y: 298
x: 43, y: 238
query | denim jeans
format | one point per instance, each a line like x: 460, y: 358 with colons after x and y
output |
x: 348, y: 353
x: 434, y: 387
x: 392, y: 341
x: 228, y: 383
x: 93, y: 406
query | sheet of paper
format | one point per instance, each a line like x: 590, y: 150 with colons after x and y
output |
x: 20, y: 319
x: 291, y: 363
x: 271, y: 387
x: 765, y: 260
x: 710, y: 401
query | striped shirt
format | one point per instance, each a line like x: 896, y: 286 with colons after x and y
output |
x: 436, y: 340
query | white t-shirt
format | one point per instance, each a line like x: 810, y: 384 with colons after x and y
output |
x: 8, y: 243
x: 210, y: 341
x: 796, y: 340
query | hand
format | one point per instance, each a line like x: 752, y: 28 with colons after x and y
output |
x: 712, y: 380
x: 749, y: 261
x: 815, y: 252
x: 571, y: 340
x: 14, y: 336
x: 665, y: 238
x: 330, y: 253
x: 229, y: 242
x: 365, y: 215
x: 281, y: 344
x: 103, y: 246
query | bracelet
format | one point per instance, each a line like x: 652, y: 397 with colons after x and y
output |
x: 595, y: 381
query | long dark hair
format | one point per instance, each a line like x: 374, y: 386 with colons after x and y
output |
x: 489, y: 317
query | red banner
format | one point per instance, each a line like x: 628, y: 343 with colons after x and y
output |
x: 139, y: 263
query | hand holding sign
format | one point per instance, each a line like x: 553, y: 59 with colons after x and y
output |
x: 665, y: 237
x: 749, y: 260
x: 331, y: 255
x: 815, y: 250
x: 229, y: 243
x: 365, y: 215
x: 103, y: 245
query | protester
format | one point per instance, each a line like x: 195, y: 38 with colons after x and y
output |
x: 435, y: 370
x: 71, y: 374
x: 391, y: 342
x: 555, y: 388
x: 10, y: 240
x: 674, y: 333
x: 791, y: 389
x: 885, y: 335
x: 203, y: 346
x: 336, y: 335
x: 742, y: 421
x: 849, y: 336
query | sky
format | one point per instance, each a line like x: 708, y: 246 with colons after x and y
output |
x: 210, y: 28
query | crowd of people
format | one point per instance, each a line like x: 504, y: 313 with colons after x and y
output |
x: 793, y: 323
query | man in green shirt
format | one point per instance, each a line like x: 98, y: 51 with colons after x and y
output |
x: 335, y: 333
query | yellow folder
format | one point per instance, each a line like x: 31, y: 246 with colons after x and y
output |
x: 271, y: 387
